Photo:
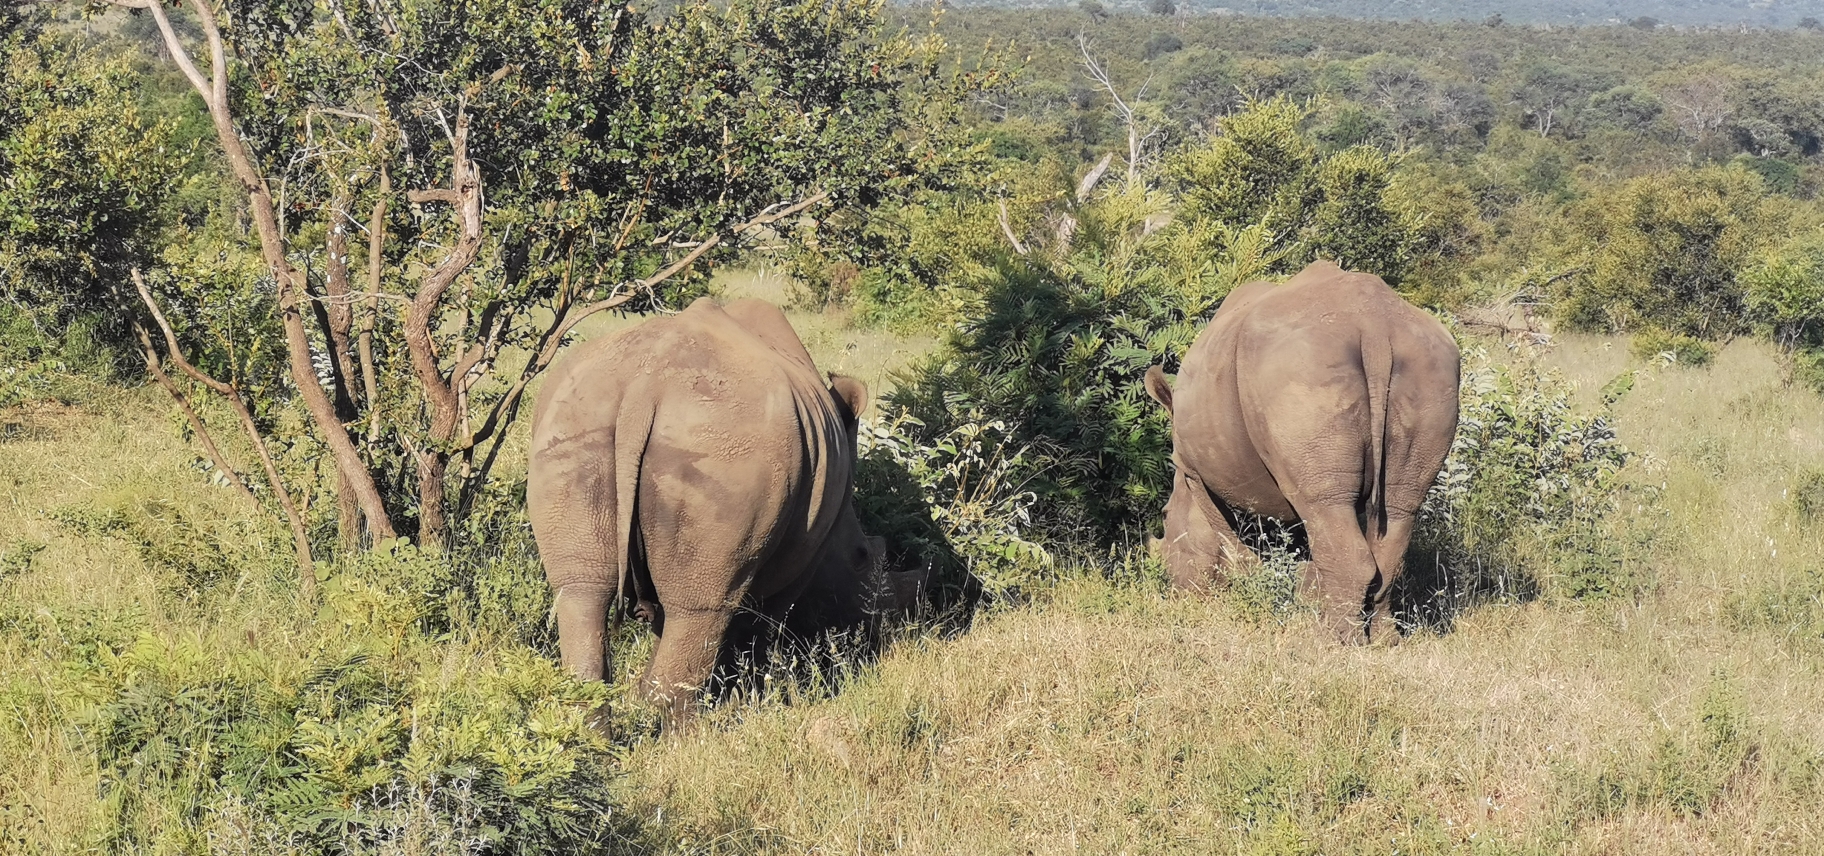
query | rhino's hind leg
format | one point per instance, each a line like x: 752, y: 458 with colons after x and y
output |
x: 582, y: 618
x: 684, y: 661
x: 1342, y: 575
x: 1390, y: 558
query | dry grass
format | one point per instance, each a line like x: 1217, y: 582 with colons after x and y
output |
x: 1113, y: 718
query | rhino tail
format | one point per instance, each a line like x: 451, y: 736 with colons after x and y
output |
x: 629, y: 456
x: 1377, y: 365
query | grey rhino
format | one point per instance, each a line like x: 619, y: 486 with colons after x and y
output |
x: 1328, y: 399
x: 698, y: 465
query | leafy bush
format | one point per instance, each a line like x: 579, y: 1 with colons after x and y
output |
x: 1808, y: 368
x: 1056, y: 355
x: 1785, y: 291
x: 957, y: 503
x: 347, y: 751
x: 1268, y: 587
x: 86, y: 171
x: 1529, y: 498
x: 1655, y: 344
x: 1670, y: 251
x: 27, y: 381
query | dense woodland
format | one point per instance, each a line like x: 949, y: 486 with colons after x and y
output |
x: 1641, y: 14
x: 339, y: 247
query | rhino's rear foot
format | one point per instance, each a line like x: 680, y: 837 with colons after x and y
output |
x: 1383, y: 631
x: 683, y: 662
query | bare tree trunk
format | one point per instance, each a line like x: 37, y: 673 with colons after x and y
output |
x: 214, y: 91
x: 338, y: 312
x: 338, y: 318
x: 433, y: 527
x: 376, y: 244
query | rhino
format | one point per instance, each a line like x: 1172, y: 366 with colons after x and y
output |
x: 1328, y: 400
x: 695, y: 467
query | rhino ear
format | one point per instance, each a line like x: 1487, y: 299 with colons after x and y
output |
x: 1158, y: 388
x: 852, y: 393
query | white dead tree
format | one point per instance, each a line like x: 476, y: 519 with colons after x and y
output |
x: 1143, y: 134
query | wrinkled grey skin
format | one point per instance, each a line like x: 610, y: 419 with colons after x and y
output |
x: 1328, y: 399
x: 699, y: 465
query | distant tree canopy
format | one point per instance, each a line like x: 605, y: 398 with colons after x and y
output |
x: 1494, y: 13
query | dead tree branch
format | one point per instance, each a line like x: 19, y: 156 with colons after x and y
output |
x: 307, y: 575
x: 1140, y: 132
x: 291, y: 287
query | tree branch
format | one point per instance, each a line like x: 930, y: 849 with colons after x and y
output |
x: 307, y: 575
x: 155, y: 367
x: 628, y: 290
x: 465, y: 195
x: 214, y: 91
x: 1007, y: 228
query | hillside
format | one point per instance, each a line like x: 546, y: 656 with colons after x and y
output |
x: 1578, y: 13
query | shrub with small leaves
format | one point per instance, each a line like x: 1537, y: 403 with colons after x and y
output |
x: 960, y: 501
x: 1526, y: 502
x: 1658, y: 346
x: 1808, y: 368
x: 1808, y: 495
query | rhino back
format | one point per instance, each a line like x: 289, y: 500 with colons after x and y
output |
x: 744, y: 455
x: 1278, y: 378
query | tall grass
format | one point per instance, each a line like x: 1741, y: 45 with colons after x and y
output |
x: 1107, y: 716
x: 1097, y: 711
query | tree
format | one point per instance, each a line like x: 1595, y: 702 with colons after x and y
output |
x: 83, y: 174
x: 1160, y: 44
x: 1810, y: 23
x: 1262, y: 174
x: 1668, y: 251
x: 1549, y: 94
x: 1644, y: 22
x: 1700, y: 105
x: 83, y: 180
x: 516, y: 166
x: 1094, y: 10
x: 1162, y: 7
x: 1628, y: 108
x: 1400, y: 89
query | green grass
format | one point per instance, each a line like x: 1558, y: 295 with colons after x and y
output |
x: 1102, y: 716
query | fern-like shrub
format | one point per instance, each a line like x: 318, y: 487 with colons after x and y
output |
x: 350, y: 750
